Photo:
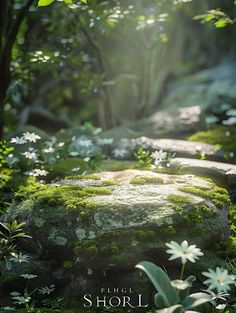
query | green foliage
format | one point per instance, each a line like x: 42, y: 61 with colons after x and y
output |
x: 226, y: 248
x: 174, y: 170
x: 144, y: 159
x: 232, y: 217
x: 173, y: 296
x: 5, y: 151
x: 9, y: 234
x: 168, y: 295
x: 224, y: 137
x: 217, y: 17
x: 43, y: 3
x: 144, y: 236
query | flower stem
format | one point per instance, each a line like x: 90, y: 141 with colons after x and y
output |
x: 182, y: 271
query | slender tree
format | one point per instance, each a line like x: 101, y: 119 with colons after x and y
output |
x: 10, y: 23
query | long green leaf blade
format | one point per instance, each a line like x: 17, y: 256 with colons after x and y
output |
x: 161, y: 282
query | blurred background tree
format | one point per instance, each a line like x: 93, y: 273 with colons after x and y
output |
x: 107, y: 61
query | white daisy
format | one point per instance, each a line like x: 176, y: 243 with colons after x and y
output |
x: 75, y: 169
x: 49, y: 150
x: 119, y: 153
x: 28, y: 276
x: 159, y: 156
x: 105, y: 141
x: 37, y: 172
x: 31, y: 155
x: 31, y: 137
x: 85, y: 142
x: 183, y: 251
x: 74, y: 153
x: 219, y: 279
x: 18, y: 140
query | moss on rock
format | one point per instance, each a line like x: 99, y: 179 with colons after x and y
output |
x: 110, y: 182
x: 178, y: 199
x: 146, y: 180
x: 94, y: 177
x: 219, y: 196
x: 223, y: 136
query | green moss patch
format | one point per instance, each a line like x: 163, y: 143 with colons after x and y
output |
x: 178, y: 199
x: 71, y: 197
x: 137, y: 181
x: 146, y: 180
x: 223, y: 136
x: 110, y: 182
x: 219, y: 196
x: 94, y: 177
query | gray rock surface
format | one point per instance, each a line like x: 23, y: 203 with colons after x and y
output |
x: 133, y: 221
x: 208, y: 88
x: 181, y: 148
x: 223, y: 172
x: 175, y: 122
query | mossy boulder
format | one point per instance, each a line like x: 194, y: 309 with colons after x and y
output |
x: 114, y: 219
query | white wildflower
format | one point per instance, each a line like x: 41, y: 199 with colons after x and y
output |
x: 31, y: 155
x: 219, y: 279
x: 28, y: 276
x: 19, y: 258
x: 21, y: 300
x: 159, y: 156
x: 37, y: 172
x: 183, y: 251
x: 74, y: 153
x: 87, y: 159
x: 105, y: 141
x: 49, y: 150
x: 75, y: 169
x: 119, y: 153
x: 7, y: 308
x: 85, y: 142
x: 31, y: 137
x: 18, y: 140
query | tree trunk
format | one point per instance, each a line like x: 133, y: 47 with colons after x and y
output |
x: 9, y: 28
x: 107, y: 105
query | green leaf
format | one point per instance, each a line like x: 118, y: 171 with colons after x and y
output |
x: 8, y: 263
x: 159, y: 301
x: 196, y: 299
x: 221, y: 23
x: 44, y: 3
x: 184, y: 293
x: 84, y: 1
x: 68, y: 1
x: 161, y: 282
x: 5, y: 225
x: 173, y: 309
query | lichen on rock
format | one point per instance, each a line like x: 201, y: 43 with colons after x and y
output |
x: 102, y: 225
